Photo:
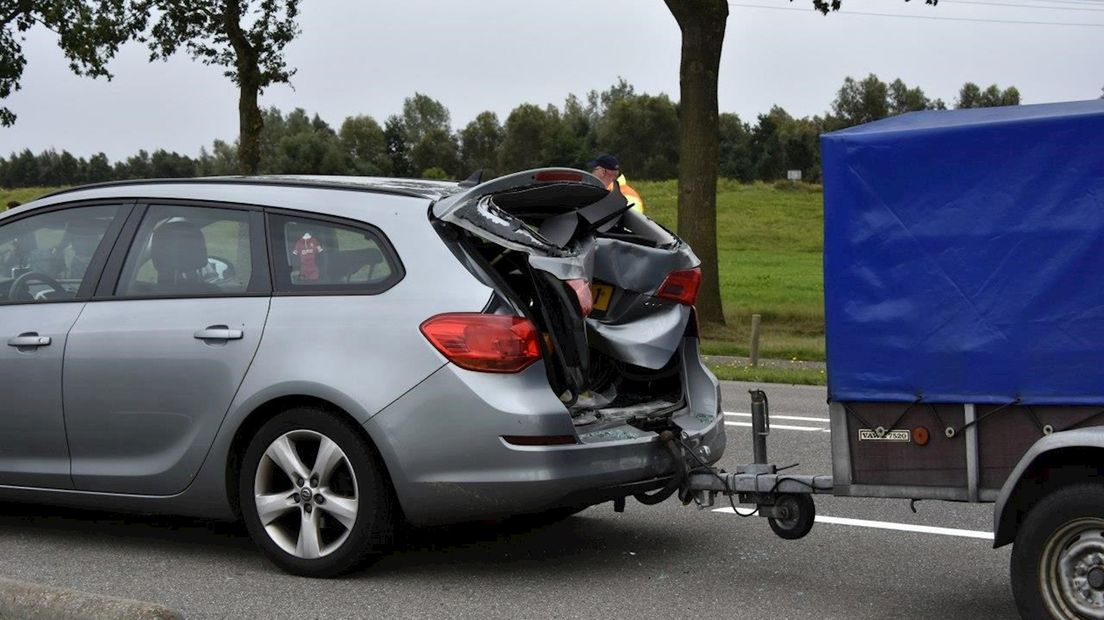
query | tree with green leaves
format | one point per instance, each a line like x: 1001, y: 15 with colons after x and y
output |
x: 971, y: 96
x: 89, y: 33
x: 527, y: 130
x: 703, y: 23
x: 428, y: 137
x: 365, y: 146
x: 245, y: 37
x: 479, y: 143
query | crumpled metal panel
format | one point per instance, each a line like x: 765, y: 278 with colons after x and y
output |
x: 647, y: 337
x: 488, y: 221
x: 644, y: 331
x: 648, y: 331
x: 964, y: 256
x: 638, y: 267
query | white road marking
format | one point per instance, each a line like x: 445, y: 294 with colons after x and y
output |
x: 888, y: 525
x: 780, y: 426
x: 779, y: 417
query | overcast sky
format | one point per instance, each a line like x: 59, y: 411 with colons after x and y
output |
x: 366, y: 56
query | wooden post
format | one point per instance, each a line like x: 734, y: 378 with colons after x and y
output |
x: 755, y: 318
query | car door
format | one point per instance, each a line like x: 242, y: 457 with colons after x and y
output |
x: 49, y: 263
x: 158, y: 354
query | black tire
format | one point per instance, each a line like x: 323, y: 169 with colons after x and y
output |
x: 358, y: 475
x: 803, y: 513
x: 1046, y: 539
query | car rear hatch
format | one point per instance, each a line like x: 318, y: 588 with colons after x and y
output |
x: 610, y: 291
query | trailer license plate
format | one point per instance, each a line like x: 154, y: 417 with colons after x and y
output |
x: 602, y: 293
x: 903, y: 435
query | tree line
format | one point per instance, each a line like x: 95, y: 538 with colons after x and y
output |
x: 642, y: 129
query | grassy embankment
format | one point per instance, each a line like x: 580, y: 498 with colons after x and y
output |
x: 770, y: 263
x: 769, y: 244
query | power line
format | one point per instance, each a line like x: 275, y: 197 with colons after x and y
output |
x: 929, y: 17
x: 1096, y: 9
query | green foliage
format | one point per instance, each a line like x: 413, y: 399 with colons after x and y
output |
x: 480, y: 141
x: 365, y: 146
x: 861, y: 102
x: 89, y: 33
x: 527, y: 129
x: 644, y: 132
x: 244, y: 37
x: 737, y: 156
x: 395, y: 141
x: 23, y: 195
x: 435, y: 173
x: 971, y: 96
x: 641, y: 129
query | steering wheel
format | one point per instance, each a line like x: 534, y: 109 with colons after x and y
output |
x: 20, y: 289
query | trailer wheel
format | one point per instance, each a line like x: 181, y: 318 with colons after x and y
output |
x: 802, y: 512
x: 1058, y: 557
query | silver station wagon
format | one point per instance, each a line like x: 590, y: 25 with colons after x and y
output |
x: 328, y: 357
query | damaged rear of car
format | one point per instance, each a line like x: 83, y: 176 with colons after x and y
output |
x: 592, y: 318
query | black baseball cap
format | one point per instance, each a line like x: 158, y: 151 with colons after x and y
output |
x: 605, y: 160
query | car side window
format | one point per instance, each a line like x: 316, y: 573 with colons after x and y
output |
x: 186, y: 251
x: 45, y: 257
x: 312, y: 255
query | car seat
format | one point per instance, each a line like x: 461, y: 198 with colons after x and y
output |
x: 178, y: 251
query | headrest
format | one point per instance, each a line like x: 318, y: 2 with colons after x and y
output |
x: 177, y: 246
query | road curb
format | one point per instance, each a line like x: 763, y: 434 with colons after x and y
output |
x: 32, y: 601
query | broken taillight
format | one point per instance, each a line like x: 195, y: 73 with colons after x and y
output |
x: 681, y: 286
x: 583, y: 295
x: 484, y: 342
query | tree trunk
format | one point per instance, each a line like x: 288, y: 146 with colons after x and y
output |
x: 703, y: 26
x: 250, y: 124
x: 248, y: 78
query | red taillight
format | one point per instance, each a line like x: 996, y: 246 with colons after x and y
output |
x: 553, y: 176
x: 583, y: 295
x: 681, y: 286
x: 484, y: 342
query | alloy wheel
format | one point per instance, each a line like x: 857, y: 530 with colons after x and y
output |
x: 307, y: 510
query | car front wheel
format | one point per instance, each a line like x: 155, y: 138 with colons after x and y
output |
x: 313, y: 493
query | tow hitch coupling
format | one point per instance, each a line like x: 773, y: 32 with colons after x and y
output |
x: 784, y: 499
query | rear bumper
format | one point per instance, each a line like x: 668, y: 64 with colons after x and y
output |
x: 442, y: 443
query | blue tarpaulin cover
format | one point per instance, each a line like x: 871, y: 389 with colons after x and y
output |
x: 964, y: 256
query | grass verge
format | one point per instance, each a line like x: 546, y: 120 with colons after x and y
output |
x: 761, y: 374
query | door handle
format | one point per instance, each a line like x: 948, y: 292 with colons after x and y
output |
x: 29, y: 339
x: 219, y: 332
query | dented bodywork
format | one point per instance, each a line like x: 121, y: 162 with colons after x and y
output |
x: 534, y: 232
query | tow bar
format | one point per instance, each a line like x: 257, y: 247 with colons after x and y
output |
x: 784, y: 499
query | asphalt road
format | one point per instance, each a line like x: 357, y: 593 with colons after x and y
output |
x: 667, y: 561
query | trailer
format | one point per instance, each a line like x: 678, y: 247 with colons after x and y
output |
x: 964, y: 311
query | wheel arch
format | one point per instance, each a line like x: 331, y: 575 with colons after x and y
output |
x: 1054, y: 462
x: 256, y: 418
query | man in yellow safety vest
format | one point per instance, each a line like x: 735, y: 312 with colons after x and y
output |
x: 607, y: 168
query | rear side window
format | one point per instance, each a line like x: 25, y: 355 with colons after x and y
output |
x: 189, y: 251
x: 319, y: 256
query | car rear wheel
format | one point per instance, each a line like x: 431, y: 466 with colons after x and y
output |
x: 1058, y: 557
x: 313, y: 493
